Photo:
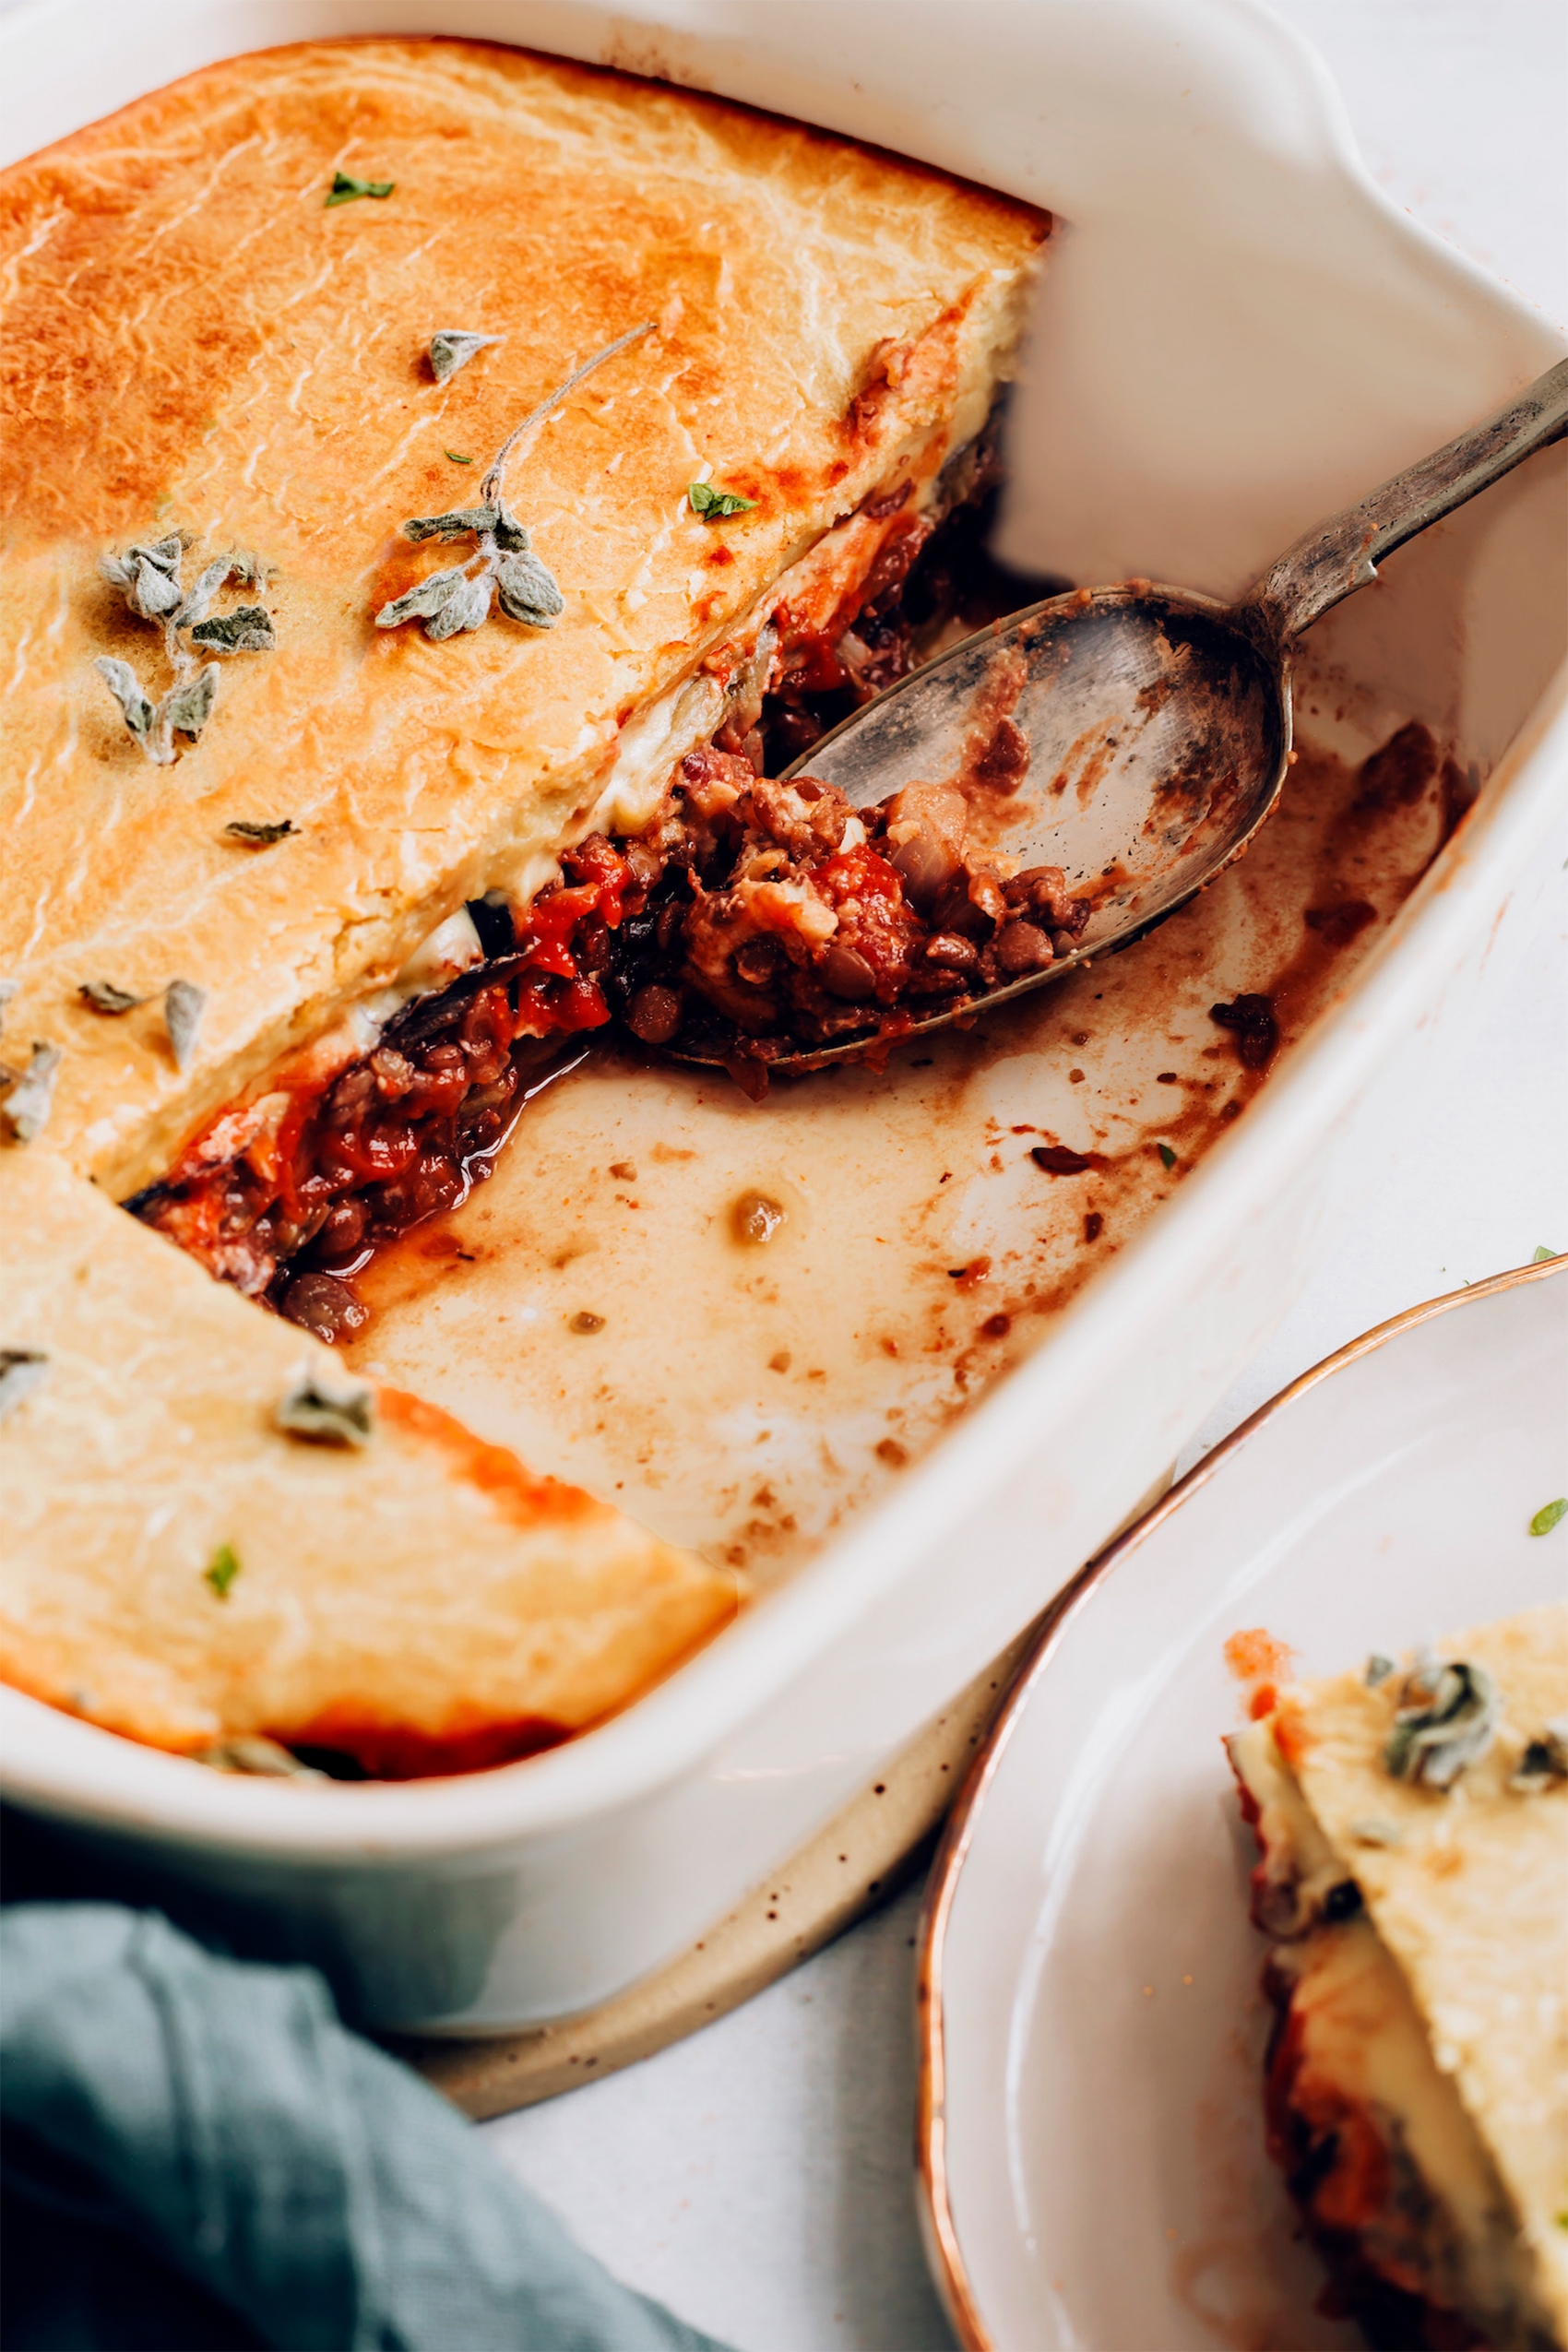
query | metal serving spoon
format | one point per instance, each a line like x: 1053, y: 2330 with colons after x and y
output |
x: 1157, y: 721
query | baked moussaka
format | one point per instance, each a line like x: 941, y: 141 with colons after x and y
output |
x: 440, y: 484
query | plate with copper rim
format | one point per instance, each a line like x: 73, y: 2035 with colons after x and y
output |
x: 1090, y: 2142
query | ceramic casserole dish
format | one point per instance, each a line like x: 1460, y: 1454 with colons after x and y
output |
x: 1236, y: 334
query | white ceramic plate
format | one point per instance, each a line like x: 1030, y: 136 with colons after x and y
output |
x: 1091, y: 2133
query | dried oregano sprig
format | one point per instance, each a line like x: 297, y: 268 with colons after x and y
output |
x: 451, y: 348
x: 30, y: 1093
x: 1544, y: 1762
x: 21, y: 1371
x: 449, y: 603
x: 326, y: 1411
x: 149, y: 577
x: 1446, y: 1719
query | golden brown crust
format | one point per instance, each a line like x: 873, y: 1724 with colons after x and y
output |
x: 195, y: 341
x: 425, y: 1602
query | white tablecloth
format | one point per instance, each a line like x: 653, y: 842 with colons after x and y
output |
x: 757, y: 2177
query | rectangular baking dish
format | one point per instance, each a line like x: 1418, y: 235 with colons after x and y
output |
x: 1238, y: 332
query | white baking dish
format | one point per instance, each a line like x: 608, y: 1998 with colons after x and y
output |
x: 1238, y: 333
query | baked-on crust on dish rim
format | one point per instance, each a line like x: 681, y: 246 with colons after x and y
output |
x: 208, y: 361
x: 1413, y: 1822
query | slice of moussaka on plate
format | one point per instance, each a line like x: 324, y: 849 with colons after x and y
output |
x: 1413, y: 1826
x: 438, y: 482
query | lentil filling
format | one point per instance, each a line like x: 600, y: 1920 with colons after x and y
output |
x: 751, y: 918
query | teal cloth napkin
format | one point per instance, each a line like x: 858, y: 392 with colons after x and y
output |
x: 198, y: 2154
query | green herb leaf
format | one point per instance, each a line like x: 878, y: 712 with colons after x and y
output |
x: 188, y: 705
x: 184, y: 1007
x: 1446, y: 1719
x: 510, y: 535
x: 31, y: 1096
x: 248, y: 629
x: 467, y: 607
x: 451, y: 602
x: 260, y: 836
x: 1167, y: 1157
x: 454, y: 524
x: 451, y: 348
x: 21, y: 1371
x: 345, y: 188
x: 456, y: 457
x: 104, y: 997
x: 221, y: 1569
x: 713, y: 504
x: 315, y: 1407
x: 423, y: 600
x: 198, y: 599
x: 527, y: 591
x: 1544, y: 1761
x: 1542, y: 1254
x: 147, y: 576
x: 126, y: 687
x: 165, y: 552
x: 1549, y: 1515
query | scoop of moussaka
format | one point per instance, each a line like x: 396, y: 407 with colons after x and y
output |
x: 318, y: 667
x: 1413, y: 1822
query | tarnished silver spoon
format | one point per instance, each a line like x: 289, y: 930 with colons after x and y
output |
x: 1157, y: 721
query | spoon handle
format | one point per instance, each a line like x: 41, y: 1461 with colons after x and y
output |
x: 1341, y: 555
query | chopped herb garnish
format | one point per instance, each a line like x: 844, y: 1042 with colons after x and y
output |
x: 1544, y: 1761
x: 221, y: 1569
x: 713, y: 504
x: 457, y: 458
x: 1447, y: 1718
x: 260, y: 836
x: 21, y: 1371
x: 1167, y: 1157
x: 451, y: 348
x: 345, y: 188
x: 449, y: 603
x: 104, y: 997
x: 31, y: 1095
x: 1378, y: 1669
x: 329, y: 1415
x: 1546, y: 1518
x: 1542, y: 1254
x: 248, y: 629
x: 184, y: 1005
x: 148, y: 578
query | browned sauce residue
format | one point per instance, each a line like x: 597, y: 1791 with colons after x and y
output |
x: 862, y: 1321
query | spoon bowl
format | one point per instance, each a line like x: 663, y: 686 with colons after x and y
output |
x: 1136, y: 737
x: 1158, y: 735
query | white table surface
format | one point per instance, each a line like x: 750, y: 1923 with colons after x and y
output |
x: 757, y: 2177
